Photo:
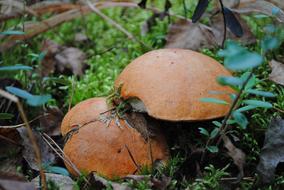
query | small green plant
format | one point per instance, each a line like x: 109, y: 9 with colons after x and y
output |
x: 211, y: 179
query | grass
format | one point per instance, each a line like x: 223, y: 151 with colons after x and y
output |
x: 109, y: 51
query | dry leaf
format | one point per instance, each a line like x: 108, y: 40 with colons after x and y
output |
x: 61, y: 181
x: 71, y: 59
x: 62, y: 59
x: 13, y: 182
x: 277, y: 74
x: 51, y: 121
x: 47, y: 154
x: 260, y: 6
x: 236, y: 154
x: 187, y: 35
x: 184, y: 34
x: 272, y: 152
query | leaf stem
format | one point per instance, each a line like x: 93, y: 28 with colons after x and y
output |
x: 225, y: 24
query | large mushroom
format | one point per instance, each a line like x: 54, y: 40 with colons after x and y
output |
x: 169, y: 83
x: 98, y: 141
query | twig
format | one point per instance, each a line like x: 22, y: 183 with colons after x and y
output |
x: 22, y: 124
x: 278, y: 109
x: 72, y: 94
x: 113, y: 23
x: 30, y: 134
x: 132, y: 158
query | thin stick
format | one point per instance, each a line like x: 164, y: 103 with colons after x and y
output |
x: 72, y: 94
x: 278, y: 109
x: 59, y: 152
x: 113, y: 23
x: 30, y: 134
x: 132, y: 158
x: 22, y: 124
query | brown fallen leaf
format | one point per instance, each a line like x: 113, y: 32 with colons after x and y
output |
x: 62, y: 59
x: 238, y: 156
x: 260, y: 6
x: 71, y: 59
x: 51, y: 121
x: 185, y: 34
x: 272, y: 152
x: 14, y: 182
x: 47, y: 155
x: 277, y: 74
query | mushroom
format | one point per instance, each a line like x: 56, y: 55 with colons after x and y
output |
x: 168, y: 85
x: 105, y: 144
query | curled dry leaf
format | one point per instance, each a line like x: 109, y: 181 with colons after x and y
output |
x: 237, y: 155
x: 184, y: 34
x: 51, y: 121
x: 61, y: 181
x: 277, y: 74
x: 13, y: 182
x: 47, y: 154
x: 272, y: 152
x: 62, y: 59
x: 71, y: 59
x: 260, y: 6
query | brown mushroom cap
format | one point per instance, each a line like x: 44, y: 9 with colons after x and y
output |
x: 102, y: 147
x: 171, y: 82
x: 88, y: 109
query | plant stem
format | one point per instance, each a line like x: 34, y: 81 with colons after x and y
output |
x: 225, y: 24
x: 224, y: 125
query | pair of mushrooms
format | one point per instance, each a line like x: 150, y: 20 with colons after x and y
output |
x: 167, y: 84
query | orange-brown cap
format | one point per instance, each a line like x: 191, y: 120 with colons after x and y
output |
x: 82, y: 113
x: 107, y: 148
x: 171, y: 82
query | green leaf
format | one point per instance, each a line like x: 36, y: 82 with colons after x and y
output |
x: 38, y: 100
x: 12, y: 32
x: 246, y: 108
x: 214, y: 100
x: 6, y: 116
x: 258, y: 103
x: 240, y: 119
x: 214, y: 133
x: 243, y: 61
x: 231, y: 49
x: 269, y: 43
x: 233, y: 81
x: 237, y: 58
x: 260, y: 93
x: 15, y: 67
x: 252, y: 81
x: 230, y: 121
x: 56, y: 170
x: 33, y: 100
x: 203, y: 131
x: 217, y: 123
x: 212, y: 149
x: 19, y: 92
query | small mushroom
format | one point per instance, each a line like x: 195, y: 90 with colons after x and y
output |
x: 169, y: 83
x: 105, y: 144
